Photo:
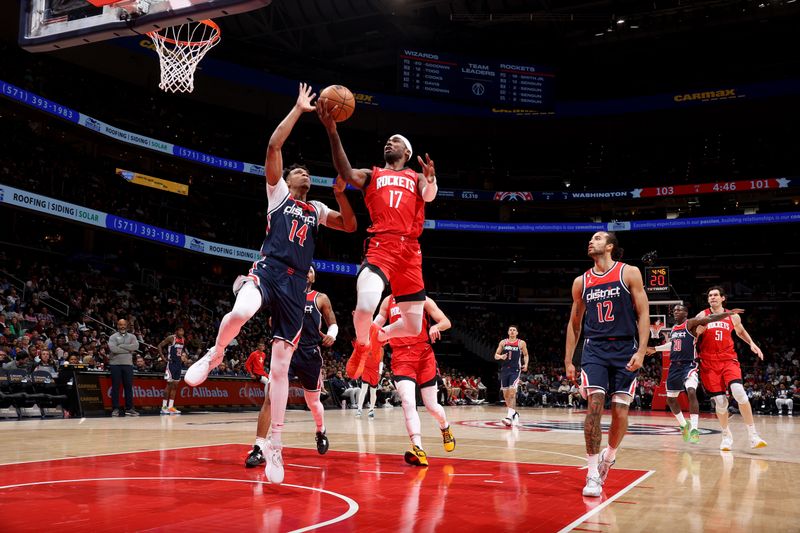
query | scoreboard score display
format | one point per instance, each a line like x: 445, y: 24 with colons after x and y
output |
x: 656, y: 279
x: 479, y: 81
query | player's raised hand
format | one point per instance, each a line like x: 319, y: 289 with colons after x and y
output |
x: 428, y: 169
x: 434, y: 333
x: 339, y: 185
x: 636, y: 361
x: 756, y: 350
x: 570, y: 371
x: 326, y: 116
x: 304, y: 98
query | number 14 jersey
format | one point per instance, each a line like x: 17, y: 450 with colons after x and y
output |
x: 609, y: 306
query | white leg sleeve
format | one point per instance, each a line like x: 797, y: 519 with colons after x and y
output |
x: 407, y: 391
x: 248, y: 302
x: 433, y: 407
x: 370, y: 288
x: 738, y: 392
x: 721, y: 404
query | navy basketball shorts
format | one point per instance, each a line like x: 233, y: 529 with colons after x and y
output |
x: 603, y: 366
x: 509, y: 378
x: 284, y: 297
x: 682, y: 375
x: 173, y: 372
x: 306, y: 366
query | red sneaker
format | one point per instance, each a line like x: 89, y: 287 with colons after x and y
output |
x: 375, y: 346
x: 357, y: 361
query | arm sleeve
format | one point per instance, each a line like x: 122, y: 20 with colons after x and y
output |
x: 323, y: 211
x: 277, y: 194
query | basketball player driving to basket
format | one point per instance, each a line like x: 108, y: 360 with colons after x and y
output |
x: 395, y: 196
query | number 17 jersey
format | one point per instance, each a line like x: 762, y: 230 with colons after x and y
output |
x: 394, y: 203
x: 609, y: 306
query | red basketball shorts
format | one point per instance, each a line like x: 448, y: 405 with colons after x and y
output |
x: 372, y: 372
x: 400, y: 261
x: 718, y: 375
x: 415, y: 362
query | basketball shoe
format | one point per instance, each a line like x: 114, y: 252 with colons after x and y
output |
x: 374, y: 343
x: 515, y: 419
x: 594, y: 487
x: 448, y: 440
x: 371, y: 413
x: 256, y: 458
x: 416, y: 456
x: 164, y: 411
x: 274, y: 467
x: 603, y: 466
x: 694, y: 436
x: 507, y: 421
x: 757, y: 442
x: 727, y: 441
x: 322, y: 442
x: 355, y: 365
x: 173, y: 411
x: 685, y: 430
x: 198, y: 372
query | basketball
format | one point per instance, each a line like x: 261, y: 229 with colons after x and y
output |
x: 338, y: 95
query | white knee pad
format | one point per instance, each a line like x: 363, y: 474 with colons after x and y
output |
x: 721, y: 404
x: 370, y: 287
x: 737, y: 391
x: 673, y: 393
x: 622, y: 399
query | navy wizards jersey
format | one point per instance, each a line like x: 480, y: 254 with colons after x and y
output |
x: 312, y: 322
x: 683, y: 345
x: 175, y: 349
x: 609, y: 306
x: 512, y: 350
x: 292, y: 227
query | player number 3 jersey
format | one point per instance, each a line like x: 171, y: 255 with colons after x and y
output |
x: 609, y: 306
x: 394, y: 203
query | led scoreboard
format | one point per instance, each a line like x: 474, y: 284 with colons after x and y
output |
x: 656, y: 279
x: 496, y: 83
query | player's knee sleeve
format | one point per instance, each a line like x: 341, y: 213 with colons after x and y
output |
x: 738, y: 392
x: 691, y: 382
x: 673, y: 394
x: 721, y: 404
x: 622, y: 399
x: 370, y: 287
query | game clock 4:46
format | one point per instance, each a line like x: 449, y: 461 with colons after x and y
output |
x: 656, y: 279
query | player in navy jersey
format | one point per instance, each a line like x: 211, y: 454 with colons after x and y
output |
x: 306, y: 365
x: 513, y: 354
x: 609, y: 302
x: 683, y: 366
x: 174, y: 345
x: 277, y: 281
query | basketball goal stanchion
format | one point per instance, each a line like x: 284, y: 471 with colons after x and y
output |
x: 180, y: 49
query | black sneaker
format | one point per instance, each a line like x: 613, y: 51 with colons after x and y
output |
x: 131, y: 412
x: 322, y: 442
x: 256, y: 458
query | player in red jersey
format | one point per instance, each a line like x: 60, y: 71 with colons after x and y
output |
x: 719, y: 366
x: 414, y: 364
x: 254, y: 366
x: 395, y: 196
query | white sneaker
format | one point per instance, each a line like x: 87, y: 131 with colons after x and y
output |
x: 507, y: 422
x: 594, y: 487
x: 274, y: 467
x: 515, y: 419
x: 371, y: 413
x: 198, y: 372
x: 727, y: 442
x: 164, y: 411
x: 358, y: 413
x: 757, y: 442
x: 604, y: 466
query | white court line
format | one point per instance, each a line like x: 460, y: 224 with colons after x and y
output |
x: 540, y: 473
x: 351, y: 503
x: 121, y: 453
x: 582, y: 459
x: 491, y: 481
x: 378, y: 472
x: 304, y: 466
x: 482, y: 475
x: 606, y: 503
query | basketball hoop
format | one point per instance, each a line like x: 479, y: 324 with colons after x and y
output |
x: 180, y: 49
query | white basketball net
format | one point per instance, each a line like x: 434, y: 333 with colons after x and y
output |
x: 180, y: 49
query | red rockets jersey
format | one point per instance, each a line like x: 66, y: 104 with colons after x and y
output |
x: 394, y: 316
x: 395, y: 203
x: 716, y: 342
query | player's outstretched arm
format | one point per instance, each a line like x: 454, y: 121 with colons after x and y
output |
x: 633, y: 279
x: 574, y: 326
x: 274, y: 162
x: 355, y: 177
x: 438, y: 316
x: 693, y: 323
x: 427, y: 180
x: 745, y: 336
x: 344, y: 219
x: 326, y: 310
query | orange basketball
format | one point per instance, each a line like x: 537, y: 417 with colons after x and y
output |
x: 338, y: 95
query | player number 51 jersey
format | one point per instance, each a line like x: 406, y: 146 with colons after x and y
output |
x: 394, y: 203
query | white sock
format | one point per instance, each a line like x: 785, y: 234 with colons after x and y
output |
x: 695, y: 421
x: 680, y: 418
x: 261, y: 442
x: 611, y: 454
x: 592, y: 470
x: 751, y: 430
x: 407, y: 391
x: 171, y: 403
x: 163, y: 404
x: 362, y: 395
x: 373, y: 396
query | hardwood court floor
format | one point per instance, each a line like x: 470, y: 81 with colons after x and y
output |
x: 525, y: 479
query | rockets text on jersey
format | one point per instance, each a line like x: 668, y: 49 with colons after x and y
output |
x: 683, y: 344
x: 609, y: 306
x: 394, y: 316
x: 394, y: 203
x: 716, y: 342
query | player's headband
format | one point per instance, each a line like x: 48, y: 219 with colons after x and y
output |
x: 406, y: 142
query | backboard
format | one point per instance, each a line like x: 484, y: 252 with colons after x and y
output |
x: 56, y: 24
